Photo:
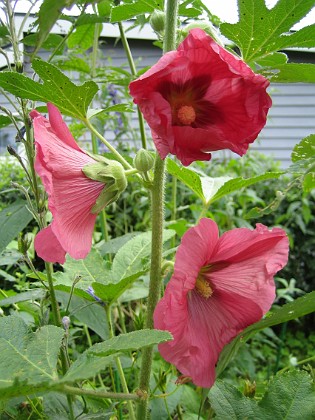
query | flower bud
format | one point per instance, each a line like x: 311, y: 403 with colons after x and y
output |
x: 24, y: 242
x: 157, y: 21
x: 112, y: 174
x: 143, y: 161
x: 207, y: 27
x: 66, y: 322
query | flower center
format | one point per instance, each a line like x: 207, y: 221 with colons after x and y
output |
x: 186, y: 114
x: 203, y: 287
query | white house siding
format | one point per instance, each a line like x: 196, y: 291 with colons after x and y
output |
x: 291, y: 117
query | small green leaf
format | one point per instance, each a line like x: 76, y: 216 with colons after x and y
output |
x: 73, y: 63
x: 13, y: 219
x: 273, y: 60
x: 188, y: 176
x: 27, y: 359
x: 5, y: 121
x: 238, y: 183
x: 305, y: 149
x: 93, y: 360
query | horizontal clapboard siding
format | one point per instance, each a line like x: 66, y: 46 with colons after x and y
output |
x: 291, y: 117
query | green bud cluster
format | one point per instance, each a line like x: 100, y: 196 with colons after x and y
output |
x: 157, y: 21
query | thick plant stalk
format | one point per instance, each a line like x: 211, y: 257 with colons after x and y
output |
x: 157, y: 203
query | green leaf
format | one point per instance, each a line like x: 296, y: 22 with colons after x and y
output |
x: 309, y: 182
x: 91, y: 269
x: 301, y: 306
x: 13, y: 219
x: 5, y: 121
x: 93, y: 360
x: 188, y: 176
x: 74, y: 63
x: 113, y: 245
x: 117, y: 108
x: 132, y: 9
x: 228, y: 402
x: 57, y: 88
x: 292, y: 73
x: 260, y: 30
x: 52, y: 41
x: 89, y: 313
x: 48, y: 14
x: 27, y: 359
x: 69, y: 98
x: 305, y: 149
x: 82, y: 37
x: 9, y: 257
x: 134, y: 256
x: 24, y: 296
x: 273, y: 60
x: 104, y: 8
x: 305, y: 37
x: 238, y: 183
x: 289, y: 396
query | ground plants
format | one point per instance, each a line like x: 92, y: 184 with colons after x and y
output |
x: 94, y: 232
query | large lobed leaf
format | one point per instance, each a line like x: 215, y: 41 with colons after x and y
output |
x: 57, y: 88
x: 261, y: 31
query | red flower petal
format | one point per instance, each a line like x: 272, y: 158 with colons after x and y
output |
x: 71, y: 195
x: 201, y: 86
x: 238, y: 270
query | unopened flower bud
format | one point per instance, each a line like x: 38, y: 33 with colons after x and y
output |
x: 157, y: 21
x: 12, y: 151
x: 24, y: 242
x: 249, y: 389
x: 207, y: 27
x: 66, y: 322
x: 112, y: 174
x: 143, y: 161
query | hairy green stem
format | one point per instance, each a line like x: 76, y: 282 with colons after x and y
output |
x: 157, y: 205
x: 134, y: 73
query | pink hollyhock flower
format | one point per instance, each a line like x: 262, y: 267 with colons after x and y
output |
x: 72, y: 196
x: 201, y: 98
x: 220, y: 286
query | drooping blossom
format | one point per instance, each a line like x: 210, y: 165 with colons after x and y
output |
x: 220, y: 286
x: 74, y: 199
x: 200, y: 99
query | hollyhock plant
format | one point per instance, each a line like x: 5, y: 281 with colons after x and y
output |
x: 200, y: 99
x: 78, y: 187
x: 220, y: 286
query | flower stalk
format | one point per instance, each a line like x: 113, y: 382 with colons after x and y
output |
x: 157, y: 204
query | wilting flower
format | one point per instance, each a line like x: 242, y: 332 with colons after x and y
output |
x: 201, y: 98
x: 220, y: 286
x: 78, y: 187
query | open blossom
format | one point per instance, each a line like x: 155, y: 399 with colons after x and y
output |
x: 220, y: 286
x: 73, y: 197
x: 201, y: 98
